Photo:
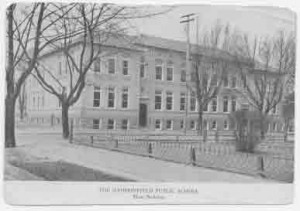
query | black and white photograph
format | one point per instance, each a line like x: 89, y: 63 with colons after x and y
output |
x: 147, y: 101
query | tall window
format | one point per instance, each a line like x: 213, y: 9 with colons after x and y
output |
x: 169, y: 124
x: 124, y: 124
x: 205, y: 107
x: 125, y: 98
x: 225, y: 125
x: 158, y: 100
x: 214, y: 125
x: 169, y: 73
x: 225, y: 104
x: 233, y: 82
x: 111, y: 66
x: 274, y: 126
x: 214, y: 105
x: 125, y: 67
x: 142, y: 70
x: 158, y: 124
x: 97, y: 65
x: 214, y: 80
x: 142, y: 67
x: 182, y: 101
x: 111, y: 97
x: 110, y: 124
x: 169, y: 101
x: 96, y: 123
x: 233, y: 104
x: 193, y: 101
x: 193, y: 125
x: 181, y: 124
x: 225, y: 81
x: 96, y: 102
x: 183, y: 76
x: 158, y: 69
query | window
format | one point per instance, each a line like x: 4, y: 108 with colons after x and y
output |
x: 158, y: 124
x: 225, y: 81
x: 96, y: 123
x: 125, y: 67
x: 158, y: 100
x: 193, y: 76
x: 183, y: 76
x: 111, y: 66
x: 214, y: 80
x: 214, y: 125
x: 192, y: 125
x: 158, y: 72
x: 274, y: 126
x: 181, y: 124
x: 233, y: 104
x: 169, y: 124
x: 225, y: 104
x: 225, y: 125
x: 193, y: 101
x: 205, y: 107
x: 169, y: 101
x: 205, y: 124
x: 111, y: 97
x: 291, y: 127
x: 124, y: 125
x: 169, y: 73
x: 214, y: 105
x: 110, y: 124
x: 125, y: 98
x: 182, y: 101
x: 96, y: 102
x: 233, y: 82
x: 142, y: 70
x: 97, y: 65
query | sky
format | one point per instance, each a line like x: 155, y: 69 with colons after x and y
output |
x: 252, y: 20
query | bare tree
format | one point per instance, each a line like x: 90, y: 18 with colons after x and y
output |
x: 20, y: 35
x: 264, y: 78
x: 26, y: 25
x: 82, y: 34
x: 209, y: 68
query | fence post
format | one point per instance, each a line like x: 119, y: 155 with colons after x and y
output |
x: 260, y: 166
x: 150, y: 149
x: 193, y: 156
x: 116, y: 143
x: 71, y: 132
x: 92, y: 140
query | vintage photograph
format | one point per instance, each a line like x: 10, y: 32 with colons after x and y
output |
x: 100, y: 92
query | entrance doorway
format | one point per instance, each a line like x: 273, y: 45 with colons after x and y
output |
x: 143, y: 115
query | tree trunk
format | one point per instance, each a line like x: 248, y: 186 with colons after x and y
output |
x: 10, y: 99
x: 10, y: 140
x: 200, y: 120
x: 65, y: 120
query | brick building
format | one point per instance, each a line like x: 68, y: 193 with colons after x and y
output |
x: 141, y: 85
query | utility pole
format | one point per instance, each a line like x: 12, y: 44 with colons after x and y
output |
x: 186, y: 20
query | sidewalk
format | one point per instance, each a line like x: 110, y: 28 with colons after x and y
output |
x: 138, y: 168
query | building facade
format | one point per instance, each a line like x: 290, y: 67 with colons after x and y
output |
x: 141, y: 88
